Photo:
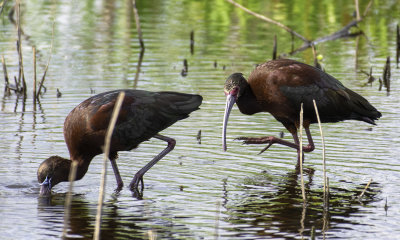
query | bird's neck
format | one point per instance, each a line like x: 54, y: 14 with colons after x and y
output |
x: 82, y: 167
x: 247, y: 102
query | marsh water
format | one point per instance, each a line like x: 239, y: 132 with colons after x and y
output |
x: 198, y: 191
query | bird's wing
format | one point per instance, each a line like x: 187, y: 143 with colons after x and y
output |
x: 332, y: 98
x: 143, y: 114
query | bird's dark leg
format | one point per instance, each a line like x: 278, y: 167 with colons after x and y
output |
x: 120, y: 183
x: 139, y: 175
x: 271, y: 140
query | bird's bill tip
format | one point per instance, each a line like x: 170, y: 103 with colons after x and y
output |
x: 45, y: 190
x: 45, y: 187
x: 230, y: 100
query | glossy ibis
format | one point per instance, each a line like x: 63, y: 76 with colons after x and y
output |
x: 142, y: 116
x: 280, y: 86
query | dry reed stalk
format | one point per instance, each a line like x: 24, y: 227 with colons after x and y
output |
x: 140, y: 36
x: 107, y: 143
x: 269, y: 20
x: 323, y: 147
x: 275, y: 48
x: 137, y: 20
x: 47, y: 65
x: 192, y: 42
x: 397, y: 45
x: 365, y: 189
x: 21, y: 76
x: 68, y: 200
x: 217, y: 219
x: 303, y: 193
x: 7, y: 82
x: 358, y: 17
x: 34, y: 78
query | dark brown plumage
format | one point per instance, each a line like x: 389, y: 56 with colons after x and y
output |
x: 142, y: 116
x: 280, y: 86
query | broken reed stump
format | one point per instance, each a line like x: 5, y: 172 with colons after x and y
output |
x: 275, y: 48
x: 192, y: 42
x: 185, y: 68
x: 198, y: 137
x: 371, y: 78
x: 6, y: 79
x: 303, y: 192
x: 397, y: 45
x: 386, y: 74
x: 34, y: 78
x: 21, y: 75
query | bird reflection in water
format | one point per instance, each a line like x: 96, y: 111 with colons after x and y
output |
x: 272, y: 204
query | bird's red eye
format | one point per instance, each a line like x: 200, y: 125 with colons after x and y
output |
x: 234, y: 91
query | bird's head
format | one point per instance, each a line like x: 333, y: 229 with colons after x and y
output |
x: 234, y: 87
x: 52, y: 171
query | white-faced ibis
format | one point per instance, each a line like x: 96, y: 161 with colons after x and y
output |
x: 280, y: 86
x: 142, y: 116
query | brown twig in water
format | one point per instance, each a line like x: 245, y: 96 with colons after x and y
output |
x: 34, y: 78
x: 275, y: 48
x: 192, y: 42
x: 303, y: 192
x: 140, y: 36
x: 386, y: 75
x: 47, y: 65
x: 323, y: 146
x: 371, y: 78
x: 2, y: 6
x: 7, y: 82
x: 358, y: 17
x: 217, y: 219
x: 68, y: 200
x: 21, y: 76
x: 269, y: 20
x: 107, y: 143
x: 185, y: 68
x: 137, y: 20
x: 397, y: 45
x: 365, y: 189
x: 199, y: 137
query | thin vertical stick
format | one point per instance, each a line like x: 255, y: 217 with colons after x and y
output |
x: 137, y: 20
x: 21, y: 76
x: 68, y: 200
x: 107, y: 143
x: 192, y: 42
x: 139, y: 30
x: 217, y: 219
x: 365, y: 189
x: 275, y: 48
x: 358, y: 17
x: 47, y: 65
x: 34, y: 78
x: 303, y: 193
x: 397, y: 45
x: 7, y: 85
x: 323, y: 147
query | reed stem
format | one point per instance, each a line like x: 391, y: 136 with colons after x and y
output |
x: 107, y: 143
x: 303, y: 193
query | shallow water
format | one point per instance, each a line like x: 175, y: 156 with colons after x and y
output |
x: 198, y: 191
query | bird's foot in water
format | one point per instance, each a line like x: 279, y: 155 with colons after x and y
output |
x: 260, y: 140
x: 134, y: 186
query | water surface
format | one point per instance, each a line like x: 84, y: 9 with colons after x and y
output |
x: 198, y: 191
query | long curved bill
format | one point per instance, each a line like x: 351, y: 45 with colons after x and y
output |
x: 45, y: 187
x: 230, y: 100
